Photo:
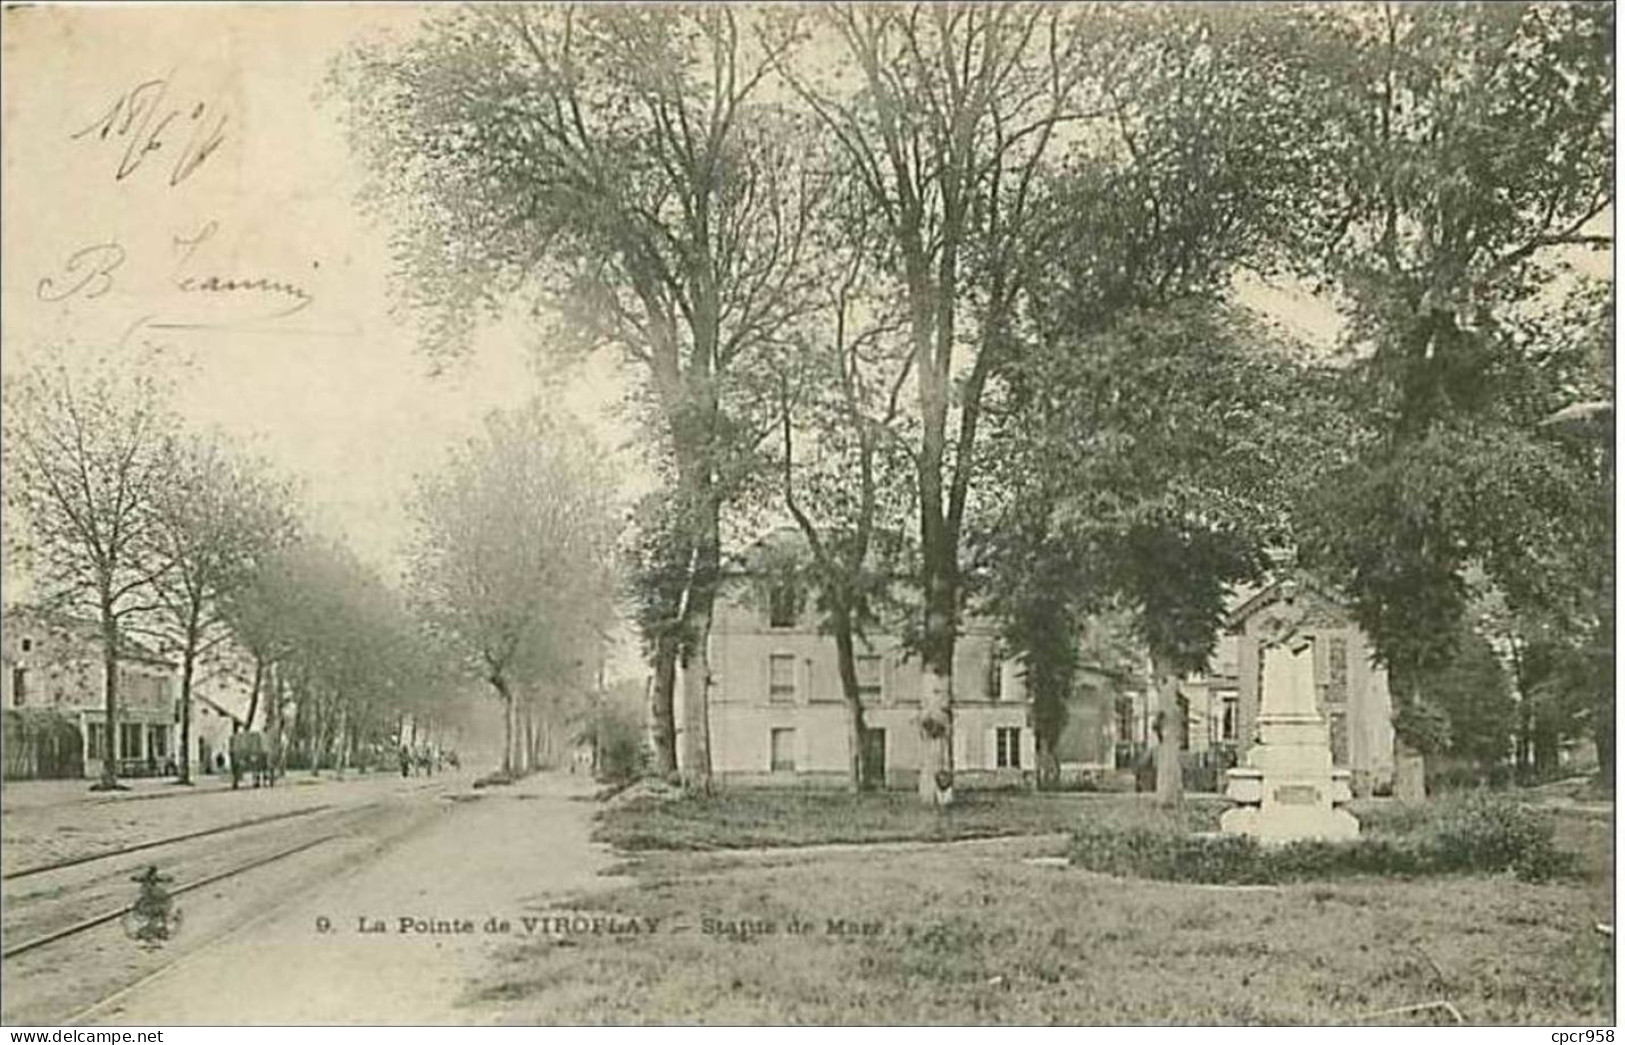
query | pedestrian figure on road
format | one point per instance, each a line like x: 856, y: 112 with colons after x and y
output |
x: 406, y: 762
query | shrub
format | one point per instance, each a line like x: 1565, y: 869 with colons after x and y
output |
x: 1485, y: 833
x: 617, y: 735
x: 1162, y: 852
x: 1482, y: 834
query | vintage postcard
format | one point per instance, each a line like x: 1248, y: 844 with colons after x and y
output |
x: 843, y: 514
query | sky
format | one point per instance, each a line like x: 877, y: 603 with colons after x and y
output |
x: 110, y: 249
x: 335, y: 392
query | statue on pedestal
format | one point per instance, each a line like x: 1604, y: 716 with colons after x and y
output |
x: 1288, y: 789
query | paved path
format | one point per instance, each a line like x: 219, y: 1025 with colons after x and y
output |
x: 503, y: 852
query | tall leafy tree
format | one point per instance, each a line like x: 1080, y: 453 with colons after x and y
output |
x: 1161, y: 461
x: 1128, y: 349
x: 950, y: 122
x: 216, y: 518
x: 511, y: 567
x: 847, y: 483
x: 86, y: 460
x: 1467, y: 147
x: 620, y: 163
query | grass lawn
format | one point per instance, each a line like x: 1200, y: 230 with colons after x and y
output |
x: 971, y: 934
x: 746, y: 819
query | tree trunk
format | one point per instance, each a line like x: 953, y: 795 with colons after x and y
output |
x: 254, y: 693
x: 662, y: 720
x: 936, y: 785
x: 188, y: 660
x: 1048, y: 775
x: 696, y: 761
x: 110, y: 750
x: 1410, y: 773
x: 530, y: 737
x: 1170, y: 731
x: 847, y: 664
x: 1602, y: 732
x: 273, y: 720
x: 1410, y: 765
x: 501, y: 685
x: 696, y: 661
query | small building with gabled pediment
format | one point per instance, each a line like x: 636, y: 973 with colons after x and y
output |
x: 1351, y: 688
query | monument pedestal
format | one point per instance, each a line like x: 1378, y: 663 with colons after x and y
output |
x: 1288, y: 789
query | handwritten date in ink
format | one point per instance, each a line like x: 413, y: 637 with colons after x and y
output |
x: 145, y: 122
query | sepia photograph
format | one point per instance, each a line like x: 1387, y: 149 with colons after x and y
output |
x: 1088, y: 514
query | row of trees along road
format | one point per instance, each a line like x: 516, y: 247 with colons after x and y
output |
x: 912, y: 245
x: 122, y: 515
x: 512, y: 568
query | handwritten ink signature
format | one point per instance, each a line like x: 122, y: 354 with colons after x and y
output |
x: 88, y: 273
x: 140, y: 118
x: 300, y: 298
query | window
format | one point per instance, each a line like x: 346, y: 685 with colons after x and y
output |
x: 1337, y: 670
x: 28, y: 644
x: 129, y: 737
x: 19, y: 686
x: 1125, y: 720
x: 782, y: 750
x: 97, y: 738
x: 783, y: 606
x: 158, y: 742
x: 1230, y: 716
x: 1339, y: 736
x: 781, y: 678
x: 994, y: 683
x: 1008, y: 742
x: 868, y: 665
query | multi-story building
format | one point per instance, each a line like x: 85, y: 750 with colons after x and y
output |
x: 778, y: 713
x: 53, y: 662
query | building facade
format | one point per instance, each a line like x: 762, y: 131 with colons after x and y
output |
x: 1351, y: 689
x: 51, y: 664
x: 221, y: 702
x: 777, y: 713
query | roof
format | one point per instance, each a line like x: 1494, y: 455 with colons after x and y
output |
x: 201, y: 699
x: 86, y: 629
x: 1271, y: 594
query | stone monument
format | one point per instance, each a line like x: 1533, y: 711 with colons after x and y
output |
x: 1288, y: 789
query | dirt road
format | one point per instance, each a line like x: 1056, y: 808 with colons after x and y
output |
x: 388, y: 931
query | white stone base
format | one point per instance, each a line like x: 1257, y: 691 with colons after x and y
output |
x: 1288, y: 789
x: 1287, y: 823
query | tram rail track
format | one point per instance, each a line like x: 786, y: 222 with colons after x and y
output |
x: 235, y: 874
x: 111, y: 854
x: 102, y: 919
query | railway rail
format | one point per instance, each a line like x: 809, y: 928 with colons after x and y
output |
x: 102, y: 919
x: 57, y: 912
x: 87, y: 858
